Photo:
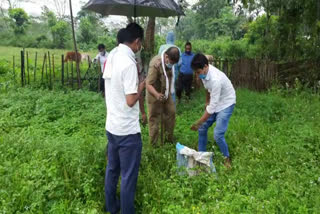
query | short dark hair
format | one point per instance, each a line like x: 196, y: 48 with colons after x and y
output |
x: 101, y: 46
x: 121, y: 36
x: 173, y: 54
x: 133, y: 32
x: 187, y: 43
x: 199, y: 61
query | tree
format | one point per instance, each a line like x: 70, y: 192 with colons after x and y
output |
x: 298, y: 31
x: 149, y: 40
x: 90, y: 27
x: 60, y: 7
x: 59, y: 29
x: 20, y: 20
x: 209, y: 19
x: 13, y: 3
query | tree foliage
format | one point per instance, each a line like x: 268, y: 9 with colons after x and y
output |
x: 20, y: 20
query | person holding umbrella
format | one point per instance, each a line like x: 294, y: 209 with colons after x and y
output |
x: 122, y: 124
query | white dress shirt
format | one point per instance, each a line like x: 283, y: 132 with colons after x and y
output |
x: 121, y: 79
x: 102, y: 58
x: 222, y: 93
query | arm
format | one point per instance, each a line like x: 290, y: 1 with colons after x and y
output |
x: 210, y: 109
x: 130, y: 85
x: 151, y: 79
x: 133, y: 98
x: 154, y: 92
x: 142, y: 110
x: 204, y: 118
x: 207, y: 98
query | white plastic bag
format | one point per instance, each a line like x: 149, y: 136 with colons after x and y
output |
x: 194, y: 161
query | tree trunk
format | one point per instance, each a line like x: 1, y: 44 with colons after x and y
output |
x: 149, y: 43
x: 149, y: 40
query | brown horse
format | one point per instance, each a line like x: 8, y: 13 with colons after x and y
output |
x: 71, y: 56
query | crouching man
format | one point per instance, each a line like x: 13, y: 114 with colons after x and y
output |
x: 220, y: 102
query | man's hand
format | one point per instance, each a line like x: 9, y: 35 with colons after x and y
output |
x: 196, y: 126
x: 199, y: 122
x: 141, y: 86
x: 160, y: 97
x: 144, y: 119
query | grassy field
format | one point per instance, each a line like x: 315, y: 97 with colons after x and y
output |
x: 37, y: 72
x: 7, y: 53
x: 52, y: 156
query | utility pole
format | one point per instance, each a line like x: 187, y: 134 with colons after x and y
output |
x: 75, y: 47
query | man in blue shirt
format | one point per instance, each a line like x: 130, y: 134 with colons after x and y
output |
x: 186, y: 73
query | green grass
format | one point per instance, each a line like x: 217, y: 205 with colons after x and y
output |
x: 7, y: 53
x: 52, y: 156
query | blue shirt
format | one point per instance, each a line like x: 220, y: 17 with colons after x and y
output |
x: 185, y: 67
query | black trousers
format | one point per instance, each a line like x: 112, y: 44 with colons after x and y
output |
x: 184, y: 84
x: 101, y: 84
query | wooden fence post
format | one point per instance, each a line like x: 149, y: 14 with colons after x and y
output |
x: 53, y: 71
x: 72, y: 74
x: 14, y: 70
x: 22, y: 68
x: 43, y: 66
x: 68, y: 73
x: 62, y: 69
x: 50, y: 81
x: 47, y: 79
x: 35, y: 67
x: 28, y: 68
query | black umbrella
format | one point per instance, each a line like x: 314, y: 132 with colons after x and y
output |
x: 135, y: 8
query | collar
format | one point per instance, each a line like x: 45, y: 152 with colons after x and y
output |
x: 127, y: 50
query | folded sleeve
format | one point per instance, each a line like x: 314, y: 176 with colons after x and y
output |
x: 130, y: 80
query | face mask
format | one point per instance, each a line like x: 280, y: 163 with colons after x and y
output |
x: 169, y: 65
x: 188, y: 52
x: 202, y: 76
x: 102, y: 53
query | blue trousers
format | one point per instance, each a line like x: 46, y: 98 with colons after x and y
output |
x: 124, y: 155
x: 222, y: 120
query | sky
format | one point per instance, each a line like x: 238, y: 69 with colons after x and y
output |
x: 33, y: 7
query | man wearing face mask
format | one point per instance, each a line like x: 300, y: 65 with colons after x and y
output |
x: 122, y: 124
x: 186, y: 73
x: 170, y: 43
x: 160, y: 85
x: 220, y: 102
x: 141, y: 74
x: 101, y: 56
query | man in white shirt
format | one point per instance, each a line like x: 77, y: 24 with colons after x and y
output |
x: 122, y: 125
x: 101, y: 56
x: 220, y: 102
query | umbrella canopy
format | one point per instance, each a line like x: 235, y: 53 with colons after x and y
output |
x: 135, y: 8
